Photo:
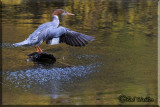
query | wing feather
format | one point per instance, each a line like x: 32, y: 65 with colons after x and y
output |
x: 67, y: 36
x: 75, y: 38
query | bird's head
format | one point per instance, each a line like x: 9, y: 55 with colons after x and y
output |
x: 60, y: 11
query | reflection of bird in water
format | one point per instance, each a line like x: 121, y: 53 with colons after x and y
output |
x: 53, y: 34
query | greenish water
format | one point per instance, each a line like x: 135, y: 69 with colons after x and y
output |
x: 121, y: 60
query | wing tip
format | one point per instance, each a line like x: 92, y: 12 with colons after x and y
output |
x: 91, y: 38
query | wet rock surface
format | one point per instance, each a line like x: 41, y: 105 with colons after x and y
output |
x: 42, y: 57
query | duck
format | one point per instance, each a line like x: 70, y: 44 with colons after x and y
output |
x: 54, y: 34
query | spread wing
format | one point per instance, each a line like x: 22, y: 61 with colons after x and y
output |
x: 75, y: 38
x: 65, y: 35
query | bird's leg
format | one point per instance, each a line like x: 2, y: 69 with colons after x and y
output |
x: 37, y: 50
x: 40, y: 50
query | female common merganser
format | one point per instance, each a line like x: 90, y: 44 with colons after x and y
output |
x: 54, y: 34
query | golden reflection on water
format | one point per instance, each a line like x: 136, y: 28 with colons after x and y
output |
x: 121, y: 60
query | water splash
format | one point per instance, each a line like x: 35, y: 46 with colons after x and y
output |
x: 53, y: 78
x: 6, y: 45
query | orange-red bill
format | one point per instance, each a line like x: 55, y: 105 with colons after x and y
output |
x: 69, y: 14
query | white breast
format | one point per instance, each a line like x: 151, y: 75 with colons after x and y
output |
x: 54, y: 41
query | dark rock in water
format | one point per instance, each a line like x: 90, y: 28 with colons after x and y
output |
x: 42, y: 57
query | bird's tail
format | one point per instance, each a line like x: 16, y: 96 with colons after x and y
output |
x: 24, y: 43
